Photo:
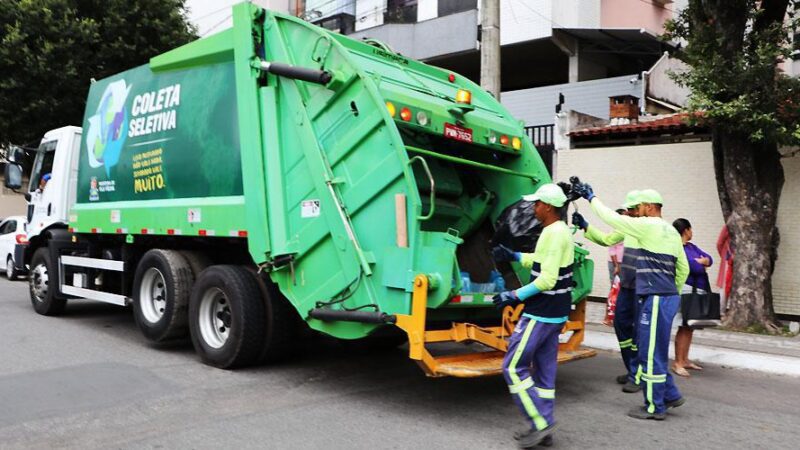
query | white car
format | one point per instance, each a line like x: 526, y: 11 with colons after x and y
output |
x: 12, y: 232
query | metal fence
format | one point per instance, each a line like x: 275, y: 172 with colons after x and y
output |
x: 542, y: 138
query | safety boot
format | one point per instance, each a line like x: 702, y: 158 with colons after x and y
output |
x: 534, y: 437
x: 622, y: 379
x: 675, y: 403
x: 631, y: 387
x: 640, y: 412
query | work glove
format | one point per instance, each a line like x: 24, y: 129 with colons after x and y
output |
x: 579, y: 221
x: 584, y: 190
x: 503, y: 253
x: 507, y: 298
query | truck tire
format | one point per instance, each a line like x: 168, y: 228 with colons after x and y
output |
x: 227, y: 317
x: 282, y: 322
x: 11, y: 271
x: 42, y: 284
x: 161, y: 290
x: 198, y: 261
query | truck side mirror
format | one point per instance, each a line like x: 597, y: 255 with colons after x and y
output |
x: 17, y: 155
x: 13, y: 176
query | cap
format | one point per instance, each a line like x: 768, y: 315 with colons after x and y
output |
x: 631, y: 200
x: 548, y: 193
x: 46, y: 177
x: 650, y: 196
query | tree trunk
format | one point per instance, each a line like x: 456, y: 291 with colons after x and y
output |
x: 749, y: 181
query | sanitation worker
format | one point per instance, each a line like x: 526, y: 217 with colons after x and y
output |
x: 661, y: 270
x: 529, y: 366
x: 627, y: 301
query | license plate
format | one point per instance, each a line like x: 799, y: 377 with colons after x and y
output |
x: 458, y: 133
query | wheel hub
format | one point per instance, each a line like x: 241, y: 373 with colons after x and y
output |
x: 39, y: 282
x: 153, y: 295
x: 215, y: 318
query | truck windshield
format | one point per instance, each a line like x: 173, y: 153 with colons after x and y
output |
x: 43, y: 165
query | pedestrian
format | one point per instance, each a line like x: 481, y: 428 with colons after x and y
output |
x: 615, y: 256
x: 661, y: 269
x: 699, y: 262
x: 529, y: 367
x: 725, y: 277
x: 627, y: 302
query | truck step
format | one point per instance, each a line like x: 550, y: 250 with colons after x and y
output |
x: 484, y: 364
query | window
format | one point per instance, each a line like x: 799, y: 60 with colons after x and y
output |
x: 9, y: 226
x: 43, y: 164
x: 400, y: 11
x: 447, y: 7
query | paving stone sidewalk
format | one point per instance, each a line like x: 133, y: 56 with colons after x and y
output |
x: 774, y: 345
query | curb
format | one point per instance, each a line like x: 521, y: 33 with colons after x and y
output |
x: 726, y: 357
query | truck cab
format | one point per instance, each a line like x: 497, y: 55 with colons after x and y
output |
x: 51, y: 189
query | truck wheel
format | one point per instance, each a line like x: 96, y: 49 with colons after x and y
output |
x: 161, y: 291
x: 227, y: 317
x: 42, y: 283
x: 198, y: 261
x: 282, y: 322
x: 11, y: 271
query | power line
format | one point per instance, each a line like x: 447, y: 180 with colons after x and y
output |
x: 197, y: 19
x: 217, y: 25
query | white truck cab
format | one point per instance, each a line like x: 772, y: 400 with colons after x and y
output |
x: 53, y: 180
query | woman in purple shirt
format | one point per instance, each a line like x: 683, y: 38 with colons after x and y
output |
x: 699, y: 261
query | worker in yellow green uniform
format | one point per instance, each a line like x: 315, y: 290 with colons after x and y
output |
x: 661, y: 271
x: 530, y: 364
x: 627, y: 302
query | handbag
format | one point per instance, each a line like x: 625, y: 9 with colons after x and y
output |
x: 701, y: 310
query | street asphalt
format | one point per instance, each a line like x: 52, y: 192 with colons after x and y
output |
x: 88, y: 379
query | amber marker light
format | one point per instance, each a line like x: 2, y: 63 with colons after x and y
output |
x: 464, y: 96
x: 504, y: 140
x: 391, y: 108
x: 405, y: 114
x: 516, y: 143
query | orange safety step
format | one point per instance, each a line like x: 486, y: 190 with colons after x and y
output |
x: 484, y: 364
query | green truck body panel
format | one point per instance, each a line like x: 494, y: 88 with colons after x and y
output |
x: 310, y: 172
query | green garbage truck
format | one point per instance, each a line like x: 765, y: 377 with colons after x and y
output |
x: 276, y: 176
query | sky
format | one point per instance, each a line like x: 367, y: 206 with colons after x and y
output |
x: 210, y: 16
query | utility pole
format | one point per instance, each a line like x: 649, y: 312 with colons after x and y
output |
x: 490, y: 46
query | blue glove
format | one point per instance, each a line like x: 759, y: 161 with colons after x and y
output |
x: 507, y: 298
x: 503, y: 253
x: 584, y: 190
x: 577, y: 219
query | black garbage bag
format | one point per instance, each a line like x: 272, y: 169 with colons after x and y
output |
x: 517, y: 228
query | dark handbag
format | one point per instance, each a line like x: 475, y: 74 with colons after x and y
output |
x: 701, y: 310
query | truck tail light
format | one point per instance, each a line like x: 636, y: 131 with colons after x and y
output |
x: 21, y: 239
x: 464, y: 97
x: 516, y: 143
x: 405, y: 114
x: 390, y: 107
x: 504, y: 140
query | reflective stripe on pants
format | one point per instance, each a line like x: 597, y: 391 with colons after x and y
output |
x: 655, y: 322
x: 625, y: 329
x: 529, y: 369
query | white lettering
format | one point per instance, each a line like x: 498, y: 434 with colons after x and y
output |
x: 160, y: 99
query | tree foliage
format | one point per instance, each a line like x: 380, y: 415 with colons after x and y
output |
x: 51, y: 49
x: 734, y: 47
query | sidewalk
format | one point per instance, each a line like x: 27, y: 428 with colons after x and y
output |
x: 772, y: 354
